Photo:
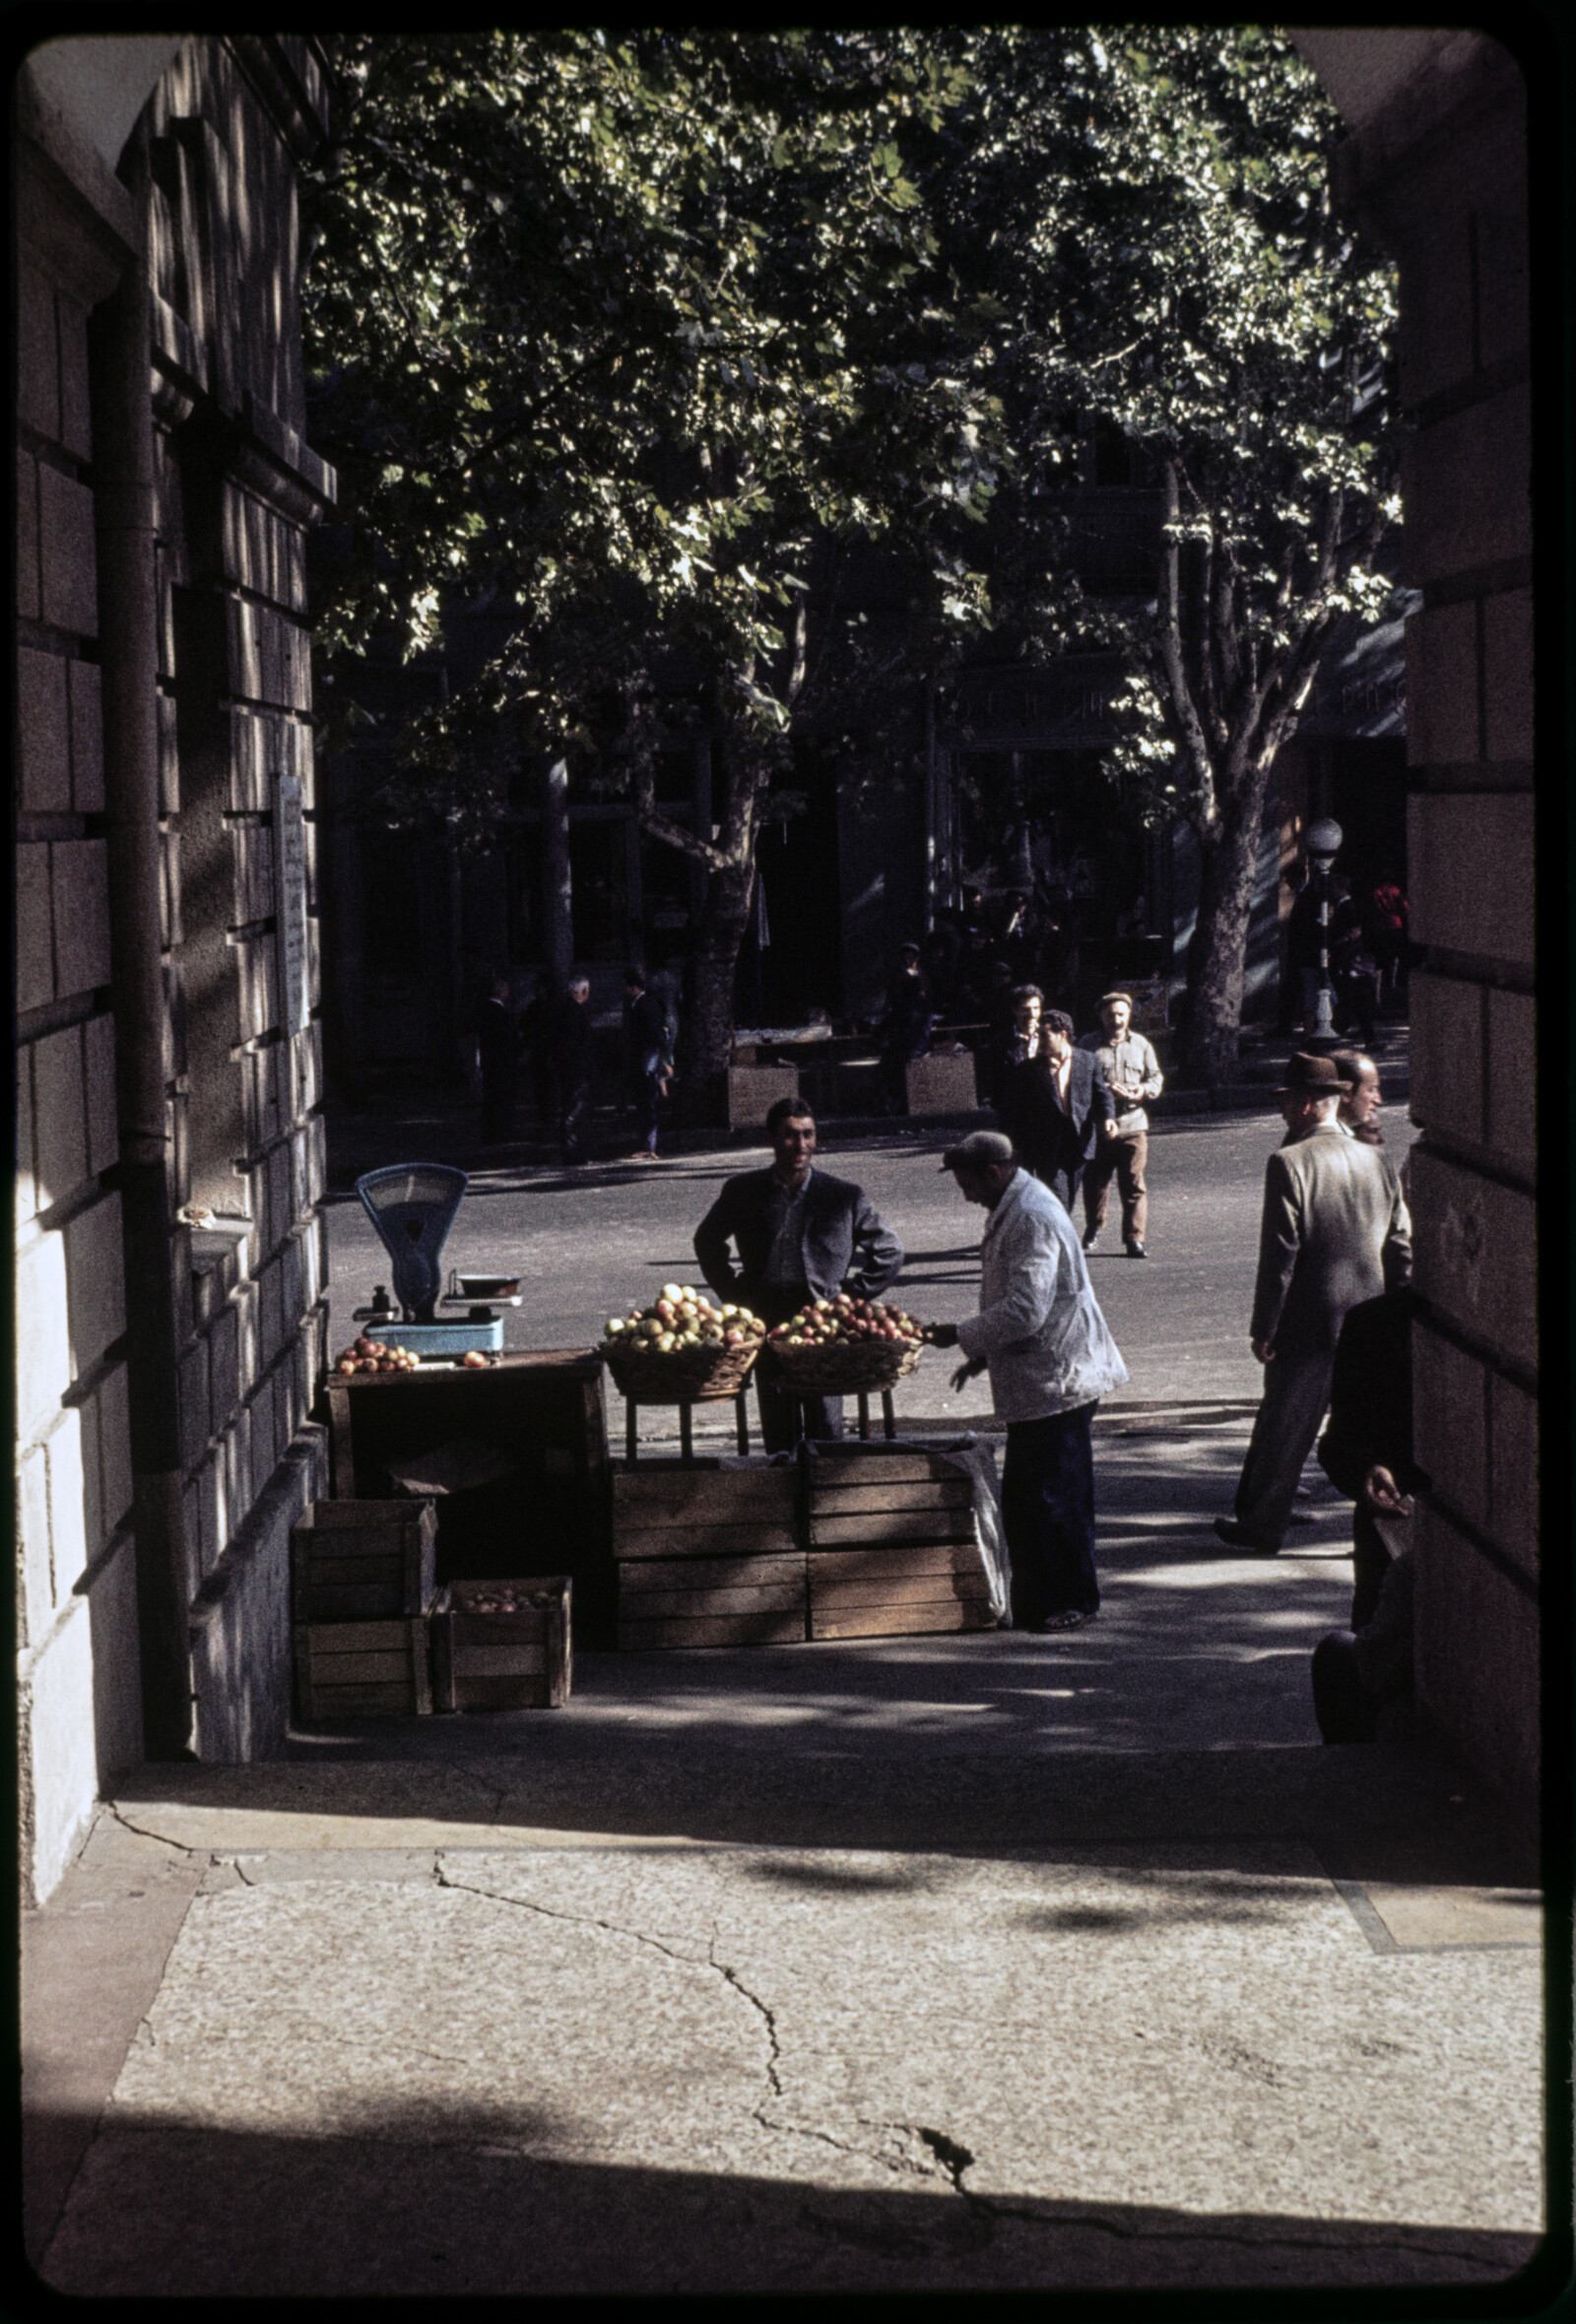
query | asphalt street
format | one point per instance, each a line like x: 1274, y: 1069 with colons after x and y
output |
x: 591, y: 1240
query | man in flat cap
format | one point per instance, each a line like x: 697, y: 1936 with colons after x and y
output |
x: 1130, y: 1071
x: 1042, y: 1336
x: 1333, y: 1232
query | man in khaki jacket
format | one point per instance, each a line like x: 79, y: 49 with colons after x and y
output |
x: 1334, y: 1231
x: 1130, y: 1071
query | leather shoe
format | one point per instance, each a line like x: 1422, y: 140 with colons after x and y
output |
x: 1073, y: 1619
x: 1137, y: 1250
x: 1231, y: 1533
x: 1091, y: 1235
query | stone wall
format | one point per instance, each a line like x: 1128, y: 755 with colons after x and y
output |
x: 79, y: 1705
x: 1437, y: 167
x: 202, y: 210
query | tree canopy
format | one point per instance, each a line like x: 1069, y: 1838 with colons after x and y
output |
x: 632, y: 335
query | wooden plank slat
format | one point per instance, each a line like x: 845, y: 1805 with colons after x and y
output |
x: 502, y: 1658
x: 918, y: 1589
x: 702, y: 1541
x: 848, y: 1500
x: 895, y: 1621
x: 739, y: 1573
x: 349, y: 1637
x: 521, y: 1692
x: 894, y: 1524
x: 354, y: 1670
x: 720, y: 1630
x: 665, y: 1604
x: 682, y: 1497
x: 371, y: 1700
x: 872, y: 1465
x: 900, y: 1557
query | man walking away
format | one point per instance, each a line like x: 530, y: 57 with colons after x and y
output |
x: 1132, y: 1073
x: 800, y: 1234
x: 497, y: 1039
x: 650, y: 1057
x: 572, y: 1059
x: 1042, y: 1335
x: 1333, y: 1232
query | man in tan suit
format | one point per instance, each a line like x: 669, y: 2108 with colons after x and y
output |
x: 1333, y: 1232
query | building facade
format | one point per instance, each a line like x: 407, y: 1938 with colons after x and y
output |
x: 169, y: 1245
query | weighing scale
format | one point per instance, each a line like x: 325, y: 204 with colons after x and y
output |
x: 412, y: 1207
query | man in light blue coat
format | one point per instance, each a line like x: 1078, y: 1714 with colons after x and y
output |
x: 1042, y: 1335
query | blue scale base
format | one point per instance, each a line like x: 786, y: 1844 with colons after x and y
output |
x: 441, y: 1339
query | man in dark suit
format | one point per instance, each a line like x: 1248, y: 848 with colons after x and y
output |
x: 1365, y: 1449
x: 800, y: 1234
x: 1333, y: 1232
x: 1054, y: 1106
x: 497, y: 1041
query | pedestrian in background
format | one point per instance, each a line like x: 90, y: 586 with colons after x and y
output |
x: 537, y: 1047
x: 1334, y: 1231
x: 1362, y: 1100
x: 905, y: 1032
x: 1365, y: 1449
x: 1056, y: 1101
x: 1132, y: 1073
x: 1042, y: 1335
x: 1013, y: 1047
x: 572, y: 1062
x: 498, y: 1038
x: 648, y: 1037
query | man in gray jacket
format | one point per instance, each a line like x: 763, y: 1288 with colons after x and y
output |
x: 1041, y: 1334
x: 1333, y: 1232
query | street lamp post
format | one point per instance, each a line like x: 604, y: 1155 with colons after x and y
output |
x: 1324, y: 845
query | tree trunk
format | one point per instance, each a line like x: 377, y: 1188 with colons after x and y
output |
x: 1218, y: 955
x: 708, y: 1036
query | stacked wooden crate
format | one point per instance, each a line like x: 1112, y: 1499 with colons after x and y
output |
x: 892, y: 1549
x: 361, y: 1580
x: 502, y: 1645
x: 708, y: 1556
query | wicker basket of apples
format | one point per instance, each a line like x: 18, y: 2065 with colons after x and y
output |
x: 844, y: 1346
x: 683, y: 1348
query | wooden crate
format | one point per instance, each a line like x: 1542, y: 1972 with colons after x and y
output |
x: 358, y: 1561
x: 664, y: 1511
x: 892, y: 1551
x: 712, y: 1601
x: 500, y: 1661
x: 362, y: 1670
x: 752, y: 1090
x: 708, y: 1557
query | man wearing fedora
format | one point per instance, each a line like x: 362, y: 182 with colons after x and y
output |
x: 1131, y: 1070
x: 1333, y: 1232
x: 1042, y: 1336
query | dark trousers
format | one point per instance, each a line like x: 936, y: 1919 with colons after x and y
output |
x: 497, y: 1104
x: 1370, y: 1562
x: 647, y: 1090
x: 1345, y: 1713
x: 576, y: 1101
x: 1125, y: 1158
x: 824, y: 1415
x: 1048, y: 1515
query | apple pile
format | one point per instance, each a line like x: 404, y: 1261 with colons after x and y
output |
x: 821, y: 1323
x: 370, y: 1355
x: 678, y: 1319
x: 500, y: 1597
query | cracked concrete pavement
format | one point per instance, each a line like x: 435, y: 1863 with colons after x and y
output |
x: 976, y: 1962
